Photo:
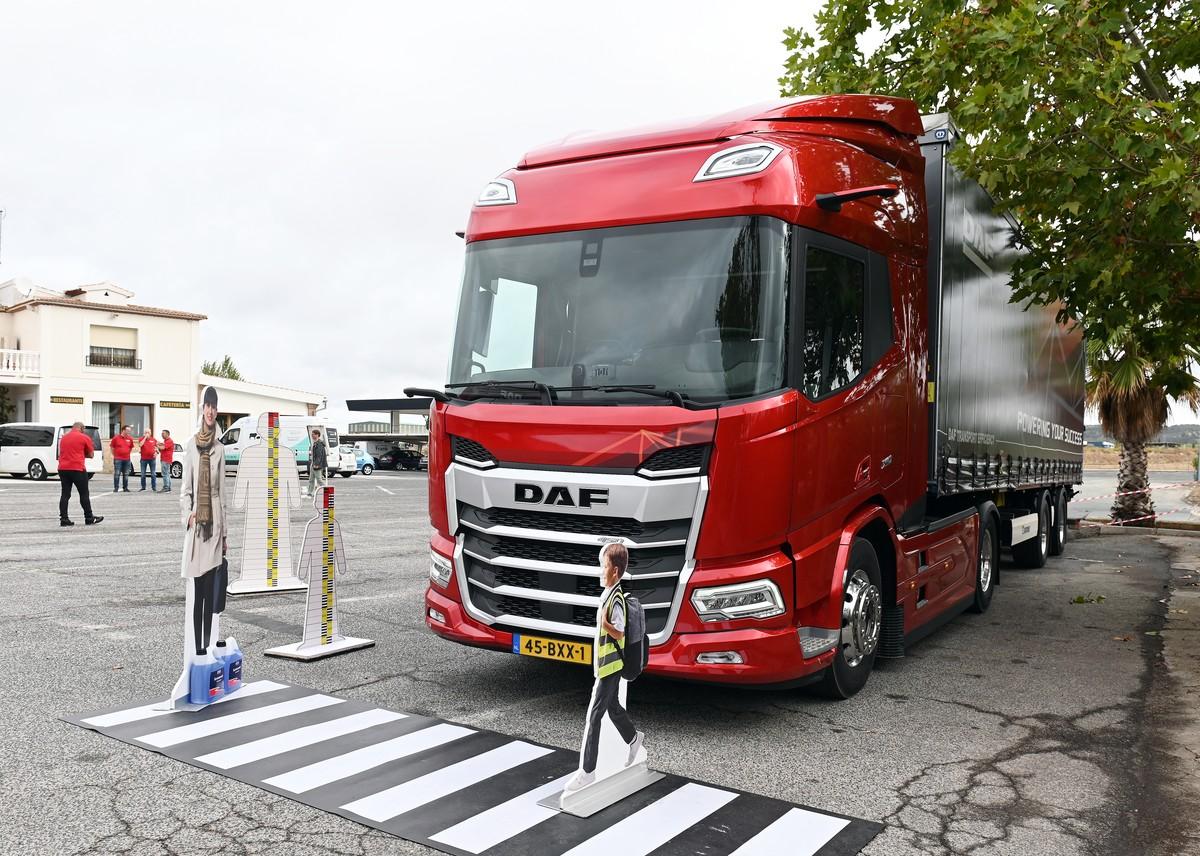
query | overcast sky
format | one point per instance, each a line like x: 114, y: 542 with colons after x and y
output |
x: 296, y: 171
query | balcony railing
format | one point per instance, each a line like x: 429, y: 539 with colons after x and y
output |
x: 113, y: 358
x: 20, y: 363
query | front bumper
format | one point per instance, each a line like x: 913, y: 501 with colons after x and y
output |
x: 770, y: 656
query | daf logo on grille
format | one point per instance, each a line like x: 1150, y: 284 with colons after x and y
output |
x: 559, y: 495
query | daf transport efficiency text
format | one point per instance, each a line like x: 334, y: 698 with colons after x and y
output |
x: 773, y: 354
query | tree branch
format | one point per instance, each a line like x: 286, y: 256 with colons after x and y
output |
x: 1144, y: 69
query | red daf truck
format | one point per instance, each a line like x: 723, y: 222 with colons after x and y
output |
x: 773, y: 354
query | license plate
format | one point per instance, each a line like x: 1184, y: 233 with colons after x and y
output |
x: 552, y: 649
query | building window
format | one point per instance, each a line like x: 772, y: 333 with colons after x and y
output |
x: 113, y: 347
x: 111, y: 417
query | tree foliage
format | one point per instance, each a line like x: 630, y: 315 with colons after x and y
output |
x: 1083, y: 120
x: 225, y: 368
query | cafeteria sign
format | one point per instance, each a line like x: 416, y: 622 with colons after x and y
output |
x: 66, y: 399
x: 175, y: 405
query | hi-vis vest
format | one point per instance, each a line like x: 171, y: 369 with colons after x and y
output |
x: 608, y: 652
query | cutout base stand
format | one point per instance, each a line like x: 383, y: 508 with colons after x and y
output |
x: 601, y: 794
x: 260, y: 586
x: 316, y: 652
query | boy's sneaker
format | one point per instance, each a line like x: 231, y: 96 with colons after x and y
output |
x: 634, y: 746
x: 579, y: 780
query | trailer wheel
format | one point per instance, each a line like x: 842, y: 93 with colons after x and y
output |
x: 1033, y: 553
x: 1058, y: 528
x: 986, y: 566
x: 862, y: 617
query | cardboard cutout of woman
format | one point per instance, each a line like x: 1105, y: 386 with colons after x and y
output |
x: 202, y: 512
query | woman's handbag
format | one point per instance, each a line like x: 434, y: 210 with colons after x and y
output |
x: 220, y: 583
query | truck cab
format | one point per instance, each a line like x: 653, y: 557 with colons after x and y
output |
x: 709, y: 342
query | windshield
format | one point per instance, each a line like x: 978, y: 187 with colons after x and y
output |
x: 697, y: 307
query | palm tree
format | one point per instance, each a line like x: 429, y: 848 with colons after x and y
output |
x: 1132, y: 393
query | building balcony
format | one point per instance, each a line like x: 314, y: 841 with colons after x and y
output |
x: 113, y: 358
x: 20, y: 364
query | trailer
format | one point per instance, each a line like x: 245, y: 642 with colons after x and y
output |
x: 772, y: 353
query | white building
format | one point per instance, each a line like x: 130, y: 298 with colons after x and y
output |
x: 92, y: 354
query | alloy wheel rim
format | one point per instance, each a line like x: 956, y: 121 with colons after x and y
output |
x: 985, y: 561
x: 862, y: 614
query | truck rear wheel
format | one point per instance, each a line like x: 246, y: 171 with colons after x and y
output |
x: 1058, y: 527
x: 986, y: 565
x: 1033, y: 552
x: 862, y: 616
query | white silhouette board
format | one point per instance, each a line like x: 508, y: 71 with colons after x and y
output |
x: 322, y: 561
x: 267, y: 485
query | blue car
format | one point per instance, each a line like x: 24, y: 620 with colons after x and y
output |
x: 363, y: 462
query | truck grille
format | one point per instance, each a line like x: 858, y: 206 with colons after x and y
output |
x: 525, y: 579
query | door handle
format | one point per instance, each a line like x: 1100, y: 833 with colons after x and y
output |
x: 864, y: 470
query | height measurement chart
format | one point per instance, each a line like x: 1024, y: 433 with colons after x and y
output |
x: 322, y: 561
x: 267, y: 485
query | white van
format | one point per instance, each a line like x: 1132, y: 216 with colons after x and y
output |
x: 294, y: 433
x: 31, y: 449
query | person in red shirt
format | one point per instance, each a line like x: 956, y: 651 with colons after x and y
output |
x: 148, y: 449
x: 166, y: 457
x: 122, y: 445
x: 73, y: 449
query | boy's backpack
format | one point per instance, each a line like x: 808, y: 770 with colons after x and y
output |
x: 637, y: 649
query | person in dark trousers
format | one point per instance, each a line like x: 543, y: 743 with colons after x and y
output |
x: 121, y: 446
x: 73, y: 450
x: 318, y: 463
x: 606, y: 666
x: 166, y: 457
x: 148, y: 449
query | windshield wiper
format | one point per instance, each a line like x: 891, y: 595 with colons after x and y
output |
x: 674, y: 396
x: 546, y: 391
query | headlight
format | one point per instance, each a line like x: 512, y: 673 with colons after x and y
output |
x: 439, y: 569
x: 757, y: 599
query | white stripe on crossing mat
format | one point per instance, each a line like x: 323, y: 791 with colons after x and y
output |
x: 799, y: 833
x: 277, y: 744
x: 425, y: 789
x: 146, y: 711
x: 360, y: 760
x: 489, y: 828
x: 219, y: 725
x: 657, y: 823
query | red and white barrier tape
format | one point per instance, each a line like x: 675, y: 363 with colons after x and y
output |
x: 1132, y: 492
x: 1086, y: 522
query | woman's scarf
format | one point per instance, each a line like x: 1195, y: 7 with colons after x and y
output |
x: 204, y: 507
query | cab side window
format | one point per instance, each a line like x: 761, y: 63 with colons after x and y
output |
x: 835, y: 301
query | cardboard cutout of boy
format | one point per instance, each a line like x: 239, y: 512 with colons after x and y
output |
x: 612, y: 760
x: 322, y: 561
x: 202, y: 512
x: 267, y: 484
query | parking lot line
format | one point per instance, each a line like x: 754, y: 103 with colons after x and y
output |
x: 385, y: 490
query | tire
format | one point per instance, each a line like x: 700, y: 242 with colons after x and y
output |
x: 986, y: 565
x: 862, y: 619
x: 346, y: 475
x: 37, y: 470
x: 368, y: 469
x: 1058, y: 526
x: 1033, y: 553
x: 176, y: 470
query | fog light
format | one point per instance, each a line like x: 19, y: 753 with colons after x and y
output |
x: 720, y: 658
x: 758, y: 599
x: 439, y: 569
x: 437, y: 616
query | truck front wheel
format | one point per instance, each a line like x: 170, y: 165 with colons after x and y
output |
x: 1032, y: 553
x: 862, y: 615
x: 985, y: 566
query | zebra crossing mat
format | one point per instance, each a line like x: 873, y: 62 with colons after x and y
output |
x: 458, y: 789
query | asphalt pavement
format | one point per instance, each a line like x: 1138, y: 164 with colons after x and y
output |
x: 1033, y: 729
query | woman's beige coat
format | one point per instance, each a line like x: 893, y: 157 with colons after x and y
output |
x: 199, y: 556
